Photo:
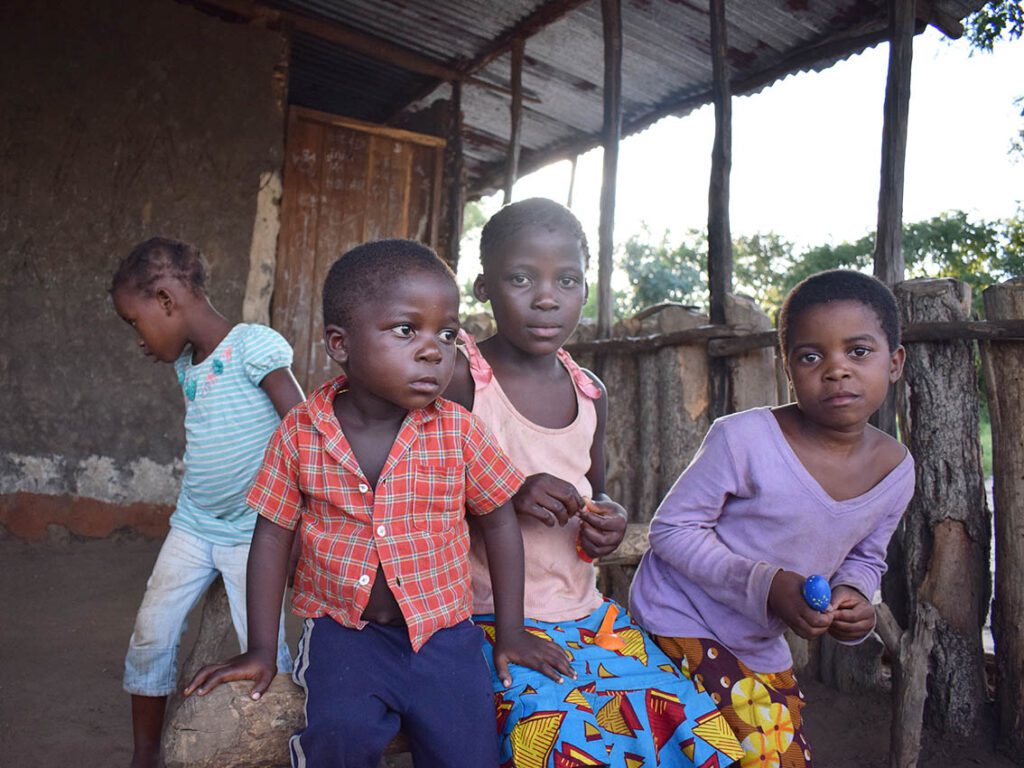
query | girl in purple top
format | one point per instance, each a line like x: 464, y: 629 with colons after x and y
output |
x: 772, y: 496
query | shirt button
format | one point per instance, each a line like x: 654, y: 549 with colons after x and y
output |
x: 381, y: 530
x: 363, y: 487
x: 364, y: 579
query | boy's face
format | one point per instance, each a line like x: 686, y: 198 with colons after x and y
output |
x: 537, y: 288
x: 155, y: 320
x: 840, y: 364
x: 400, y: 346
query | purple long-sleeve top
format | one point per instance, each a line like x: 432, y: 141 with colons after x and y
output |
x: 745, y: 508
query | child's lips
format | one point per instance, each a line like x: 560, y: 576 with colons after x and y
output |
x: 426, y: 385
x: 544, y: 331
x: 841, y: 398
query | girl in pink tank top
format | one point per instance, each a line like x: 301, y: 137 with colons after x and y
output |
x: 627, y: 704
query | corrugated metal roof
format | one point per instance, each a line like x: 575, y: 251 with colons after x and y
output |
x: 666, y: 62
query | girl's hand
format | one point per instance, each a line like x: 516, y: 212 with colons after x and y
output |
x: 854, y: 616
x: 603, y: 527
x: 548, y: 499
x: 786, y: 600
x: 246, y: 666
x: 520, y: 647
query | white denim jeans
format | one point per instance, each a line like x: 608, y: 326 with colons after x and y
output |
x: 186, y: 566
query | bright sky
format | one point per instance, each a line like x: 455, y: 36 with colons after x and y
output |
x: 806, y: 152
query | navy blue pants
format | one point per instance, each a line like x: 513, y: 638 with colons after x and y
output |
x: 361, y: 685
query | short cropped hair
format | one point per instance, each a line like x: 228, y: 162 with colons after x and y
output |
x: 840, y: 285
x: 158, y: 258
x: 366, y: 272
x: 533, y: 212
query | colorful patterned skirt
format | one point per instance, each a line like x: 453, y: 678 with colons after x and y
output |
x: 763, y: 709
x: 628, y: 708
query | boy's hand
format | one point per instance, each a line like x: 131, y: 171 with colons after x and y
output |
x: 245, y: 666
x: 548, y: 499
x: 786, y: 600
x: 520, y: 647
x: 603, y: 527
x: 854, y: 616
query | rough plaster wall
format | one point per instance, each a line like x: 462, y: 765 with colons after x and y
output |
x: 119, y: 120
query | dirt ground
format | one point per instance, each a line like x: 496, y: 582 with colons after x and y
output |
x: 66, y: 612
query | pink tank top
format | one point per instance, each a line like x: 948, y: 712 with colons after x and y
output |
x: 559, y: 585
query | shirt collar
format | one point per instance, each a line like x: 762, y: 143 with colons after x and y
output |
x: 321, y: 411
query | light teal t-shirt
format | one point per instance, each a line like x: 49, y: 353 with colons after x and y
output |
x: 228, y: 421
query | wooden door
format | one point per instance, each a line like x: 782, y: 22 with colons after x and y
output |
x: 345, y: 182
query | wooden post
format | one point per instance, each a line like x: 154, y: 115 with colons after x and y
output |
x: 611, y: 16
x: 1004, y: 374
x: 945, y: 533
x: 719, y: 235
x: 909, y: 651
x: 889, y: 264
x: 453, y: 172
x: 516, y: 112
x: 572, y: 181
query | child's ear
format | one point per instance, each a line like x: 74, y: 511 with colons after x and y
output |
x: 336, y: 343
x: 165, y: 299
x: 480, y: 289
x: 896, y: 361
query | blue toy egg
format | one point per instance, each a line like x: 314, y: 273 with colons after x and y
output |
x: 817, y: 592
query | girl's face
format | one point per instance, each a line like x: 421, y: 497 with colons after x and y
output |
x: 840, y: 364
x: 537, y: 287
x: 155, y: 319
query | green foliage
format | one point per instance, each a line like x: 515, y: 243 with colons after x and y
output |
x: 992, y: 22
x: 473, y: 217
x: 1017, y: 142
x: 757, y: 261
x: 985, y: 437
x: 997, y: 20
x: 660, y: 272
x: 766, y: 266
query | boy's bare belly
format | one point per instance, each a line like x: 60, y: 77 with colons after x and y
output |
x: 382, y: 608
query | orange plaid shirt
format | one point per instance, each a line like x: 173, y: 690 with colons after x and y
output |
x: 443, y: 461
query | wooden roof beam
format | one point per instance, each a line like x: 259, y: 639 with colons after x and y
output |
x: 368, y: 45
x: 544, y: 16
x: 946, y: 23
x: 844, y: 44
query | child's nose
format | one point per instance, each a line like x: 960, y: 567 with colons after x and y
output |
x: 431, y: 351
x: 837, y: 369
x: 545, y: 298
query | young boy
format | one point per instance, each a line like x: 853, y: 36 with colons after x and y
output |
x: 375, y: 470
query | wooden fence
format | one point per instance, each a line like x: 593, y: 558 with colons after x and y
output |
x: 936, y: 597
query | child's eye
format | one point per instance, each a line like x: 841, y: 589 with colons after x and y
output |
x: 449, y: 335
x: 860, y: 351
x: 404, y: 330
x: 519, y: 280
x: 809, y: 357
x: 568, y: 281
